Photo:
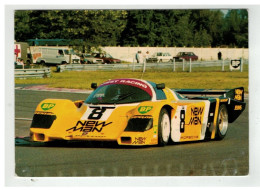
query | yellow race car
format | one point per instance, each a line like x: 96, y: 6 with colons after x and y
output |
x: 138, y: 112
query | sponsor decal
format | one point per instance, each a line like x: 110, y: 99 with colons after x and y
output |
x: 155, y: 129
x: 223, y: 100
x: 143, y: 116
x: 88, y: 126
x: 235, y: 64
x: 189, y: 137
x: 196, y: 114
x: 43, y: 113
x: 238, y: 107
x: 144, y: 109
x: 99, y: 95
x: 35, y: 56
x: 238, y: 94
x: 239, y: 91
x: 130, y: 82
x: 139, y: 140
x: 47, y: 106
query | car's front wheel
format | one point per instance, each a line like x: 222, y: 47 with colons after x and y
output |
x: 164, y: 128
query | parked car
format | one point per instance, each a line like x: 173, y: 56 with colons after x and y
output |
x: 186, y: 56
x: 90, y: 59
x: 107, y: 58
x: 160, y: 57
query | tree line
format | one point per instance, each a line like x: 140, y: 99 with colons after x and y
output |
x: 189, y: 28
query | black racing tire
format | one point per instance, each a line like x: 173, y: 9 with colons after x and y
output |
x: 222, y: 122
x: 164, y: 127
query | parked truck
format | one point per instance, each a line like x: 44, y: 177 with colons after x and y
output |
x: 47, y: 55
x: 22, y: 52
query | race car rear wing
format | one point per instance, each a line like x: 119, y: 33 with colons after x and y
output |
x: 236, y: 93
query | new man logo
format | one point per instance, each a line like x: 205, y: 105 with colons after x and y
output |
x: 47, y: 106
x: 196, y: 113
x: 144, y: 109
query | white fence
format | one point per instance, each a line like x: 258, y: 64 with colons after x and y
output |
x: 171, y: 66
x: 32, y: 73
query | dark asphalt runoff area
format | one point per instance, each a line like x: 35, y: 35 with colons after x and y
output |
x: 229, y: 157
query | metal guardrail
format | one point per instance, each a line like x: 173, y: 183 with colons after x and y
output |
x: 93, y: 67
x: 137, y: 66
x: 32, y: 73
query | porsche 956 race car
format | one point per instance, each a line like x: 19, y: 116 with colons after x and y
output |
x: 138, y: 112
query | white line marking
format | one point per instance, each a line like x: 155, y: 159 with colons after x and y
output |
x: 26, y: 119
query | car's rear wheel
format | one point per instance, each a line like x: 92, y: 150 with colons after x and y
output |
x: 164, y: 128
x: 222, y: 122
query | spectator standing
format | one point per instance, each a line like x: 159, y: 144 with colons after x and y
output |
x: 137, y: 57
x: 141, y: 57
x: 147, y: 56
x: 219, y: 55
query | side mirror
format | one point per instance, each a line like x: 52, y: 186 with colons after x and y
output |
x: 94, y: 85
x: 160, y: 86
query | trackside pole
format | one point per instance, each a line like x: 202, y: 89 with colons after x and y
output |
x: 190, y: 64
x: 173, y: 65
x: 144, y: 65
x: 241, y: 65
x: 133, y: 64
x: 182, y: 64
x: 222, y: 64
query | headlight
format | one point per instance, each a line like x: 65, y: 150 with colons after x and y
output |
x: 43, y: 121
x: 139, y: 124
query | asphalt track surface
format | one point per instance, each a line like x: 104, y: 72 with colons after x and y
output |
x: 229, y: 157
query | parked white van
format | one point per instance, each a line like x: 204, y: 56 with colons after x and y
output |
x: 56, y: 56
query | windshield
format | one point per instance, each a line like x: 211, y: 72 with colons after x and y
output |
x: 88, y: 55
x: 108, y: 56
x: 166, y: 54
x: 117, y: 94
x: 72, y: 52
x: 97, y: 55
x: 66, y: 52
